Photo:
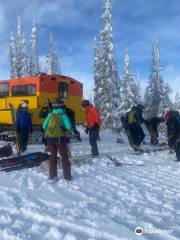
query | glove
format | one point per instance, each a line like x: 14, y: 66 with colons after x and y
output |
x: 86, y: 130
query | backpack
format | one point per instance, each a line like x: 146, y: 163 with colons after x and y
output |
x: 131, y: 117
x: 54, y: 129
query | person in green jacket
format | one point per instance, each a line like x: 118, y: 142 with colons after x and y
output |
x: 56, y: 126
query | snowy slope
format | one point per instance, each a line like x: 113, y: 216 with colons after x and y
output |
x: 103, y: 202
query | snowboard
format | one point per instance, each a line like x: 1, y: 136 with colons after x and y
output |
x: 24, y: 161
x: 13, y: 115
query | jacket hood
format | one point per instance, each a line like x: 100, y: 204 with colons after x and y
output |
x: 58, y: 111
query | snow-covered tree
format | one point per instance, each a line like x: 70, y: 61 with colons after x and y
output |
x: 34, y: 57
x: 157, y: 92
x: 109, y: 85
x: 177, y: 102
x: 21, y: 58
x: 12, y: 57
x: 97, y: 74
x: 53, y: 66
x: 129, y: 88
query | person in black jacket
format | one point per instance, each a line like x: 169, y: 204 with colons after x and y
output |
x: 172, y: 120
x: 152, y: 124
x: 43, y: 113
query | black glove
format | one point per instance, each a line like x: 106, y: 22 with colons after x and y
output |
x: 86, y: 130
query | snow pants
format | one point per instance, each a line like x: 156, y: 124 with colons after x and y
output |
x: 23, y: 137
x: 76, y: 132
x: 137, y: 134
x: 93, y: 137
x: 66, y: 165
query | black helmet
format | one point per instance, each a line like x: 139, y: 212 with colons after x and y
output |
x: 140, y: 107
x: 85, y: 103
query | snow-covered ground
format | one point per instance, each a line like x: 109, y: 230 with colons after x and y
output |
x: 103, y: 202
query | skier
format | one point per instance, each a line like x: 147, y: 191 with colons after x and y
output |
x: 56, y: 125
x: 152, y: 124
x: 92, y: 126
x: 172, y: 120
x: 135, y: 132
x: 71, y: 114
x: 44, y: 111
x: 24, y: 126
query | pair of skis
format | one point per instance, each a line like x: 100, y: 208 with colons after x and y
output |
x: 121, y: 164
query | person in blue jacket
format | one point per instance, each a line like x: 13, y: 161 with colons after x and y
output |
x: 24, y: 126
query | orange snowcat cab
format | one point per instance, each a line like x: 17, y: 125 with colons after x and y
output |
x: 37, y: 90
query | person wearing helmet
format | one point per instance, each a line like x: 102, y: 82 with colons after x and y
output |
x: 92, y: 126
x: 23, y: 125
x: 172, y: 120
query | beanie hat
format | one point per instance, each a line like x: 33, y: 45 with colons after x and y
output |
x: 85, y: 103
x: 58, y: 102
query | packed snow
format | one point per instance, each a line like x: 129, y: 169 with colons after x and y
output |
x: 102, y: 202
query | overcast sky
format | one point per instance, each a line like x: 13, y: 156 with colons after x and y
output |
x: 74, y: 24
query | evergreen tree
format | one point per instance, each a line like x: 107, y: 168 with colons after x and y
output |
x: 129, y: 89
x: 110, y: 82
x: 34, y: 67
x: 157, y: 92
x: 97, y: 74
x: 21, y: 58
x: 12, y: 57
x: 53, y: 66
x: 177, y: 102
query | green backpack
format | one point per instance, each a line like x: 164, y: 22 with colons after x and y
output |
x: 131, y: 117
x: 54, y: 129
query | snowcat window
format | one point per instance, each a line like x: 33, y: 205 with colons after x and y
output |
x: 24, y: 90
x: 62, y: 90
x: 4, y: 90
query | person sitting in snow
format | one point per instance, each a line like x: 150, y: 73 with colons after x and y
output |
x: 172, y: 120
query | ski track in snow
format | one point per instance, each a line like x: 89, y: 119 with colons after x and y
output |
x: 103, y: 202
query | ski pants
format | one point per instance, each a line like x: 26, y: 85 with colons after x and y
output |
x: 66, y: 165
x: 93, y: 137
x: 137, y: 134
x: 24, y: 137
x: 76, y: 132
